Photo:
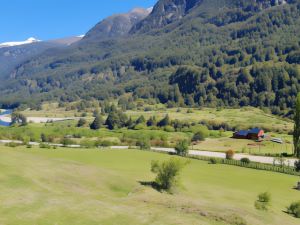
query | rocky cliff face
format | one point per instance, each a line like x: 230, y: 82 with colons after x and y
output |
x: 168, y: 11
x: 116, y: 25
x: 165, y: 12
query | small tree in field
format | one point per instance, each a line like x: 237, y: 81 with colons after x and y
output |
x: 294, y: 209
x: 81, y: 122
x: 18, y: 118
x: 164, y: 122
x: 97, y: 123
x: 199, y: 136
x: 263, y: 201
x: 229, y: 154
x: 182, y: 148
x: 167, y: 173
x: 143, y: 144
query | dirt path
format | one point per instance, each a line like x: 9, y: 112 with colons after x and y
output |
x: 260, y: 159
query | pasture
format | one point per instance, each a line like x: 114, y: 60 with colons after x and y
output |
x: 66, y: 186
x: 241, y: 118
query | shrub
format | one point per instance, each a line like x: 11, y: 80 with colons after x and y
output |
x: 144, y: 144
x: 140, y: 126
x: 213, y: 161
x: 97, y: 123
x: 169, y: 129
x: 12, y: 144
x: 164, y: 122
x: 294, y: 209
x: 167, y: 173
x: 81, y: 122
x: 245, y: 160
x: 201, y: 129
x: 230, y: 154
x: 199, y: 136
x: 263, y: 201
x: 43, y: 145
x: 67, y: 141
x: 182, y: 148
x: 152, y: 121
x: 264, y: 197
x: 189, y: 111
x: 140, y: 120
x: 87, y: 143
x: 18, y: 118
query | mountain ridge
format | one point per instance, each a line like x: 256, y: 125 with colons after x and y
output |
x: 207, y: 57
x: 116, y: 25
x: 17, y: 43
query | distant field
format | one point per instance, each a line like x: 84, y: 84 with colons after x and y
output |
x: 247, y: 146
x: 60, y: 129
x: 92, y: 187
x: 243, y: 117
x: 50, y: 110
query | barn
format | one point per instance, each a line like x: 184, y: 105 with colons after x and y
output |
x: 253, y: 134
x: 242, y: 134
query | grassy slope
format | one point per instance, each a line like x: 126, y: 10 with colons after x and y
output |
x: 243, y: 117
x: 101, y: 187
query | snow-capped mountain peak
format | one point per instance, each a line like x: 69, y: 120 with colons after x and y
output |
x: 16, y: 43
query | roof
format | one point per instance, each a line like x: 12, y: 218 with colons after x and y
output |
x: 255, y: 131
x: 242, y: 133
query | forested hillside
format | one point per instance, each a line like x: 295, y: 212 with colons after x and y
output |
x: 186, y: 52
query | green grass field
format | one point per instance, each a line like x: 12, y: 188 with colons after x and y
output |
x: 226, y: 143
x: 243, y: 117
x: 215, y: 142
x: 65, y: 186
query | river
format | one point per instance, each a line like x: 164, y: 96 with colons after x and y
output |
x: 5, y: 112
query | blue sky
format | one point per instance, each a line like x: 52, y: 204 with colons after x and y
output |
x: 50, y: 19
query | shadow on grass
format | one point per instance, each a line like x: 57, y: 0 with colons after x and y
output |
x: 151, y: 184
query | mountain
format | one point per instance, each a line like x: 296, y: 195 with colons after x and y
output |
x: 67, y: 40
x: 215, y: 53
x: 165, y: 12
x: 116, y: 25
x: 169, y: 11
x: 14, y: 53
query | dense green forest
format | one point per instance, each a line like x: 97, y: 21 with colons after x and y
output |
x: 209, y: 53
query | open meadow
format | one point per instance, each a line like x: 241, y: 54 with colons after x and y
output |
x: 223, y: 144
x: 241, y: 118
x: 216, y: 141
x: 66, y: 186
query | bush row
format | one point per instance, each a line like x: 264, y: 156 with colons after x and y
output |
x: 252, y: 165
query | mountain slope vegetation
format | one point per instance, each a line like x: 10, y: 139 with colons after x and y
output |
x: 197, y: 52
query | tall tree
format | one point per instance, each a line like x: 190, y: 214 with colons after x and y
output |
x: 97, y: 123
x: 297, y: 128
x: 18, y: 118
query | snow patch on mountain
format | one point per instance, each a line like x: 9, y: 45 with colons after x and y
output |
x: 16, y: 43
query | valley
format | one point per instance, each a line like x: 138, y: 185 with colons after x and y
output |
x: 187, y: 112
